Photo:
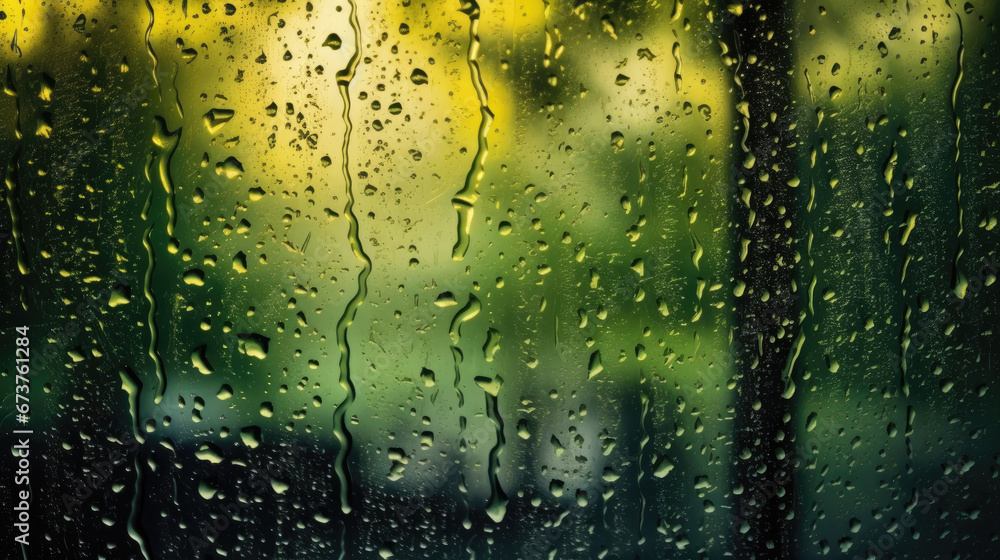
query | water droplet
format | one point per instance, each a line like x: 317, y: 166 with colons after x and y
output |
x: 215, y: 119
x: 333, y: 41
x: 418, y: 76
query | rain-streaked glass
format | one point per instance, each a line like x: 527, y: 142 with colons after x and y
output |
x: 502, y: 279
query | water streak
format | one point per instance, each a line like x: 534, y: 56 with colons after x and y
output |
x: 643, y: 443
x: 167, y: 142
x: 457, y: 358
x: 464, y: 199
x: 149, y: 46
x: 959, y: 282
x: 177, y: 93
x: 466, y: 313
x: 133, y: 386
x: 154, y: 331
x: 344, y: 78
x: 497, y: 507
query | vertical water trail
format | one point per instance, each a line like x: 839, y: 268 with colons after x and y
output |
x: 167, y: 142
x: 641, y: 460
x: 134, y: 528
x: 11, y: 181
x: 958, y: 279
x: 684, y: 182
x: 497, y: 507
x: 177, y: 93
x: 678, y: 66
x: 464, y: 199
x: 344, y: 78
x: 133, y: 386
x: 154, y: 331
x: 904, y: 386
x: 466, y: 313
x: 149, y: 46
x: 809, y: 86
x: 343, y: 545
x: 131, y: 382
x: 469, y: 549
x: 457, y: 358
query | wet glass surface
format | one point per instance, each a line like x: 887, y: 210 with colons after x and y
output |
x: 560, y: 280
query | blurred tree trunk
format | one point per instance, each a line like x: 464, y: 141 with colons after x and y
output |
x: 764, y: 215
